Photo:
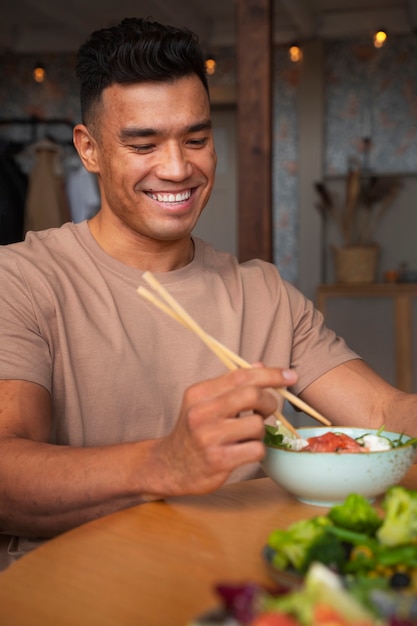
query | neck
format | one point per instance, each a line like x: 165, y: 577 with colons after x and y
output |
x: 142, y: 253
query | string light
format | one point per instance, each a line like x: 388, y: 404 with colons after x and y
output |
x: 380, y: 38
x: 295, y: 53
x: 39, y: 73
x: 210, y: 65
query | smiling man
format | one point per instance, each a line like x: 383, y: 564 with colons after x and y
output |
x: 105, y: 402
x: 151, y: 146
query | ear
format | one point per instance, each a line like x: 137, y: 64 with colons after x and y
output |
x: 86, y: 147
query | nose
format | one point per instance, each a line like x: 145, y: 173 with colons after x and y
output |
x: 174, y: 163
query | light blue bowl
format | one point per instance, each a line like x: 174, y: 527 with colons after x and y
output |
x: 326, y: 478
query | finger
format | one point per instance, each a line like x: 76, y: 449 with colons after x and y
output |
x: 260, y: 376
x: 264, y: 376
x: 246, y: 452
x: 230, y: 404
x: 246, y: 428
x: 250, y: 399
x: 228, y: 458
x: 249, y: 427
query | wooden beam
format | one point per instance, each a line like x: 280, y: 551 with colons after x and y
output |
x: 254, y: 128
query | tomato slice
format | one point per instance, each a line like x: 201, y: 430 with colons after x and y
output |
x: 325, y: 615
x: 274, y: 619
x: 333, y: 442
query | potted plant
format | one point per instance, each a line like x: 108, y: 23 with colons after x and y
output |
x: 367, y: 198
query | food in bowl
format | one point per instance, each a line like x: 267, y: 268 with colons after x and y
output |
x: 336, y: 440
x: 374, y: 552
x: 326, y: 464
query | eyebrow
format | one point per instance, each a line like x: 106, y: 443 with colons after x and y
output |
x: 135, y: 132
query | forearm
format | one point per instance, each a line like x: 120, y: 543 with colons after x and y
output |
x: 401, y: 413
x: 352, y: 394
x: 45, y: 489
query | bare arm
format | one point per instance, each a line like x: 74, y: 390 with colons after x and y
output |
x: 352, y: 394
x: 46, y: 489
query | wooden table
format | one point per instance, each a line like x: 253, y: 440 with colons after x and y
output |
x: 154, y: 564
x: 401, y: 295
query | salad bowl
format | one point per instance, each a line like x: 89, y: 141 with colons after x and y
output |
x: 324, y: 478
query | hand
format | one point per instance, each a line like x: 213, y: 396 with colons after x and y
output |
x: 211, y: 437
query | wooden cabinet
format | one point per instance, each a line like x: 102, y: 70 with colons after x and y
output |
x: 401, y: 295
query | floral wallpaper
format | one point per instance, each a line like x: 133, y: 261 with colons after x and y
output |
x: 371, y: 93
x: 284, y: 165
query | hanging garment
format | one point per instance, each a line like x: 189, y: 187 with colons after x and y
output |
x: 82, y: 192
x: 45, y: 206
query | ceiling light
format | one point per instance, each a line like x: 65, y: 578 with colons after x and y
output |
x: 379, y: 38
x: 39, y: 73
x: 295, y: 53
x: 210, y: 65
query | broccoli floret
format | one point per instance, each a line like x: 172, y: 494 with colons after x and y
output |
x: 326, y: 549
x: 292, y: 545
x: 400, y: 522
x: 355, y: 513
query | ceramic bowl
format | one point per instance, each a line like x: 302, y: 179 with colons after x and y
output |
x: 326, y: 478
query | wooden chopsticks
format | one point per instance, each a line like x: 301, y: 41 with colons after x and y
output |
x: 232, y: 361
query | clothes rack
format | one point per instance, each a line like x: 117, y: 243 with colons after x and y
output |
x: 35, y: 123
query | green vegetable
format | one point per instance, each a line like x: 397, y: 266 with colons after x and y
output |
x: 394, y: 443
x: 368, y: 552
x: 354, y: 540
x: 362, y: 559
x: 398, y: 555
x: 321, y: 587
x: 326, y: 588
x: 362, y: 589
x: 353, y: 537
x: 326, y: 549
x: 272, y: 437
x: 293, y: 546
x: 355, y: 513
x: 400, y: 522
x: 400, y: 443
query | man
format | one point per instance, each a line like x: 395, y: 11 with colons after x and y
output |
x: 105, y: 401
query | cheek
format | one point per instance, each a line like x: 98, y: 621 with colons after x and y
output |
x: 106, y: 165
x: 213, y: 165
x: 208, y: 165
x: 214, y: 157
x: 116, y: 168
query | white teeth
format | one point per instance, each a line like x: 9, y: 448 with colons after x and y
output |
x: 171, y: 197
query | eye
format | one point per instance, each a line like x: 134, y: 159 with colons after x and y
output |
x: 143, y: 148
x: 197, y: 143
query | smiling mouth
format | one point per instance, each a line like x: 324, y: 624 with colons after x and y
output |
x: 170, y: 198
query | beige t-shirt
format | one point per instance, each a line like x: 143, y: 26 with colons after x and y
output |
x: 116, y: 367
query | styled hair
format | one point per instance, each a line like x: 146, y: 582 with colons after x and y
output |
x: 136, y: 50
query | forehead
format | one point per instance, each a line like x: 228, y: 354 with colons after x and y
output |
x: 179, y: 101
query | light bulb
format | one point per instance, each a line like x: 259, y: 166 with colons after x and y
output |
x: 380, y: 38
x: 295, y: 53
x: 39, y: 73
x: 210, y: 66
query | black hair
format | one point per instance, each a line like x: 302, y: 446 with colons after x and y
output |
x: 136, y: 50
